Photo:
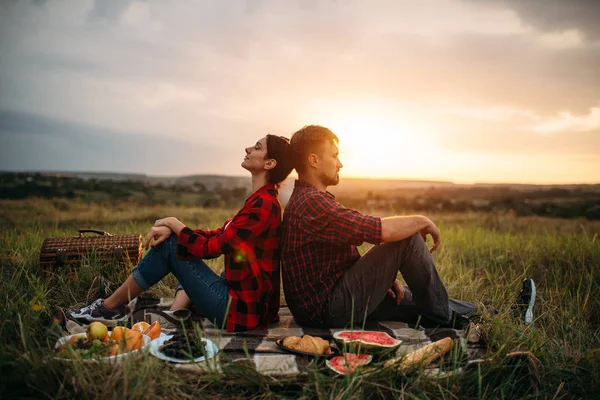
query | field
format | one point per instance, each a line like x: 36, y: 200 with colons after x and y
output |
x: 483, y: 258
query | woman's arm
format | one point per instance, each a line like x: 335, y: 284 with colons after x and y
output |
x: 239, y: 234
x: 176, y: 226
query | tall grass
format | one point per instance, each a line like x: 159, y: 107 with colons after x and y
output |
x: 483, y: 259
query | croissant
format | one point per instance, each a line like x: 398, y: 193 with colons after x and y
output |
x: 291, y: 342
x: 308, y: 344
x: 320, y: 344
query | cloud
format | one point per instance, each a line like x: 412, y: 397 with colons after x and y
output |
x: 238, y: 59
x: 504, y: 138
x: 557, y: 15
x: 481, y: 111
x: 567, y: 122
x: 107, y: 10
x: 33, y: 142
x: 199, y: 72
x: 562, y: 40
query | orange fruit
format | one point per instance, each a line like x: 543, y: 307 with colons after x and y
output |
x: 115, y: 349
x: 133, y: 340
x: 140, y: 326
x: 118, y: 333
x: 153, y: 330
x: 76, y: 338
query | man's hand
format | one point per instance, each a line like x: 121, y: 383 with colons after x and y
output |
x: 432, y: 230
x: 159, y: 234
x: 397, y: 291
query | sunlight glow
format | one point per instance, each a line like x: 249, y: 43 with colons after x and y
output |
x: 376, y: 146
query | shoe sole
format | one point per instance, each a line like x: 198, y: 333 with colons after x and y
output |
x: 529, y: 312
x: 108, y: 322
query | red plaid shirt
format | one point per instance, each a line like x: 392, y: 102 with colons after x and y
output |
x: 319, y: 244
x: 251, y: 245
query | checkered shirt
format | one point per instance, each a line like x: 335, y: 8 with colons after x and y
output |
x: 251, y: 245
x: 319, y: 244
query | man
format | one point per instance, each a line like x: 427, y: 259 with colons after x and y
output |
x: 326, y: 281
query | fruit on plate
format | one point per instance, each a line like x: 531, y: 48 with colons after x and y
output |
x: 76, y: 338
x: 97, y: 330
x: 348, y: 363
x: 140, y: 326
x: 371, y: 342
x: 133, y: 340
x: 184, y: 347
x: 421, y: 357
x: 153, y: 330
x: 81, y: 346
x: 118, y: 333
x: 120, y: 340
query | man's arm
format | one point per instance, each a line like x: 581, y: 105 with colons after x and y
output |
x: 394, y: 229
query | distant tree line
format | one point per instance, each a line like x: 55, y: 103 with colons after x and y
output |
x: 24, y: 185
x: 554, y: 202
x: 558, y: 202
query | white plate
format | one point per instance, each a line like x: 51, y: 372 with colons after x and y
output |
x: 65, y: 339
x: 211, y: 350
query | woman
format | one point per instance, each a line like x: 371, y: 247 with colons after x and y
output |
x: 247, y: 297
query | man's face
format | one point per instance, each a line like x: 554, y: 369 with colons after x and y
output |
x: 330, y: 164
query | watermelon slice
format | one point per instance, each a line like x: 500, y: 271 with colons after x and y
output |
x: 348, y: 363
x: 371, y: 342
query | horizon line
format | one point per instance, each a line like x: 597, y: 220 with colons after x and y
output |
x: 354, y: 177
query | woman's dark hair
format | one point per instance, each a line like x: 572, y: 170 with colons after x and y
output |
x: 278, y: 148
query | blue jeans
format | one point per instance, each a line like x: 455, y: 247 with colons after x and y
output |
x: 208, y: 291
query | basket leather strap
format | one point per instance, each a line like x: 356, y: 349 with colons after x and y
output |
x: 96, y: 231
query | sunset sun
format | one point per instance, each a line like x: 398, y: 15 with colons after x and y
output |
x: 380, y: 146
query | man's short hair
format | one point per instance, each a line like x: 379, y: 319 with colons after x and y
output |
x: 306, y: 141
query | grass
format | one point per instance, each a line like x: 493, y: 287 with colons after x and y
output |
x: 483, y: 258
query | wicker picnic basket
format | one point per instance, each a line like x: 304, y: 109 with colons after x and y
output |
x: 67, y: 252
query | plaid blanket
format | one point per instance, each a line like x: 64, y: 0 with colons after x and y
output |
x: 270, y: 359
x: 260, y: 349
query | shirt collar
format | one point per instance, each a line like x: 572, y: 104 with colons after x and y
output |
x: 268, y: 188
x: 305, y: 185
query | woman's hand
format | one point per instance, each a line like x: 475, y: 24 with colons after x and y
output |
x: 159, y: 234
x: 172, y: 223
x: 164, y: 221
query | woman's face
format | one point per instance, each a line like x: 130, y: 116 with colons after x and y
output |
x: 256, y: 155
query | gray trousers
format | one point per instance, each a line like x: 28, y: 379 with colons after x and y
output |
x: 363, y: 289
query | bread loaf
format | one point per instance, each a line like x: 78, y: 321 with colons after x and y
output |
x: 422, y: 357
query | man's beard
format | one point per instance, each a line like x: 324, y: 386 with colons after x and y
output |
x: 332, y: 181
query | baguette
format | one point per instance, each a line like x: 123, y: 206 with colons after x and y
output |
x: 422, y: 357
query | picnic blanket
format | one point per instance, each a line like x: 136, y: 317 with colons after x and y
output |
x: 260, y: 349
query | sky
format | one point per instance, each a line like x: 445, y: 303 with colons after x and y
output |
x: 457, y: 90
